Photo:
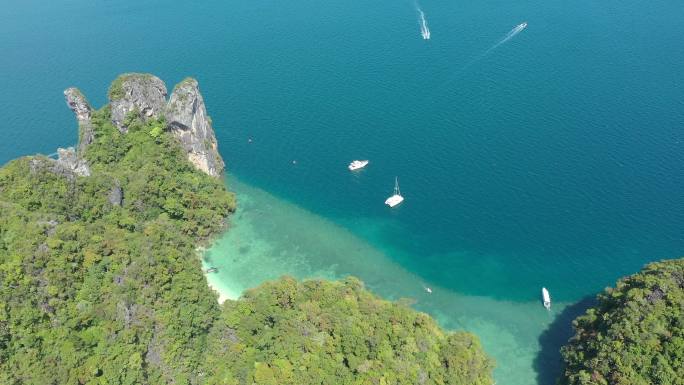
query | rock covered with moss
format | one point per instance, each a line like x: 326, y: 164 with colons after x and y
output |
x: 187, y: 119
x: 71, y: 161
x: 635, y: 335
x: 141, y: 94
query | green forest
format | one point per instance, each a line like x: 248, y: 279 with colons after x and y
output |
x: 320, y: 332
x: 635, y: 335
x: 101, y: 283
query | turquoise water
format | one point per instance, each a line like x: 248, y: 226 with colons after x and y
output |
x: 554, y: 159
x: 270, y: 237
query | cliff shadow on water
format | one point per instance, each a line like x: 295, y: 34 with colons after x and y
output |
x: 548, y: 363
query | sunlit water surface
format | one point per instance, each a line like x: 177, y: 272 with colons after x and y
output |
x: 549, y: 155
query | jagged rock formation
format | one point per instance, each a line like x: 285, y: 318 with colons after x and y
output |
x: 143, y: 94
x: 78, y: 104
x: 187, y: 119
x: 81, y: 108
x: 69, y: 160
x: 67, y: 165
x: 39, y: 164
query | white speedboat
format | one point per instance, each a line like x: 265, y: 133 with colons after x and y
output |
x: 522, y: 26
x: 396, y: 198
x: 546, y: 297
x: 357, y: 164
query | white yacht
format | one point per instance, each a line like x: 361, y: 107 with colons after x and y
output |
x: 396, y: 198
x: 357, y: 164
x: 546, y: 297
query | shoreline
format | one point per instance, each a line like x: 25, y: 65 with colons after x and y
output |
x: 216, y: 285
x: 224, y: 294
x: 260, y: 247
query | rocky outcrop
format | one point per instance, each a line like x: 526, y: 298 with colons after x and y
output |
x: 144, y: 96
x: 187, y: 120
x: 141, y: 94
x: 39, y: 164
x: 78, y: 104
x: 81, y: 108
x: 115, y: 196
x: 69, y: 160
x: 67, y: 165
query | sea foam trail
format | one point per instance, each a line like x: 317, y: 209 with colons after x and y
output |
x: 424, y: 30
x: 511, y: 34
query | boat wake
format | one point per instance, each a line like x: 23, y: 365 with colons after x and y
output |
x: 511, y: 34
x: 424, y: 30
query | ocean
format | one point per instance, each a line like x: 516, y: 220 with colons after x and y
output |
x: 551, y: 155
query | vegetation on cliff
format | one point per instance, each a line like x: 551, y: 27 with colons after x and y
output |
x: 116, y: 89
x: 635, y: 335
x: 100, y: 284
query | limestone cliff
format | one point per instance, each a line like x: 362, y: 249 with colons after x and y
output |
x: 145, y: 96
x: 187, y: 119
x: 81, y: 108
x: 69, y: 160
x: 142, y: 94
x: 67, y: 165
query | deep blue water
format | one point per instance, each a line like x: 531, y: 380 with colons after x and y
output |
x: 555, y: 159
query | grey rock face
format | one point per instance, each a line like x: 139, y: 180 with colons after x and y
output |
x: 145, y: 96
x: 81, y: 108
x: 187, y: 119
x: 68, y: 165
x: 68, y: 160
x: 115, y: 196
x: 38, y: 165
x: 78, y: 104
x: 143, y: 93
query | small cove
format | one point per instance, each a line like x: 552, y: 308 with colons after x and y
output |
x: 270, y: 237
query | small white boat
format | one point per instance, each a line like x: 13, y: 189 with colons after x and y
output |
x: 522, y: 26
x: 428, y: 290
x: 357, y: 164
x: 546, y: 297
x: 396, y: 198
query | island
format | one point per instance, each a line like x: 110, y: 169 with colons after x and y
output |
x: 100, y: 282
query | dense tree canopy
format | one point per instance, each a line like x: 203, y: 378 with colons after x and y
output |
x: 100, y: 283
x: 635, y: 335
x: 320, y: 332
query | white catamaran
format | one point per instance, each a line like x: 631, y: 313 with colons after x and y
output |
x: 396, y: 198
x: 546, y: 297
